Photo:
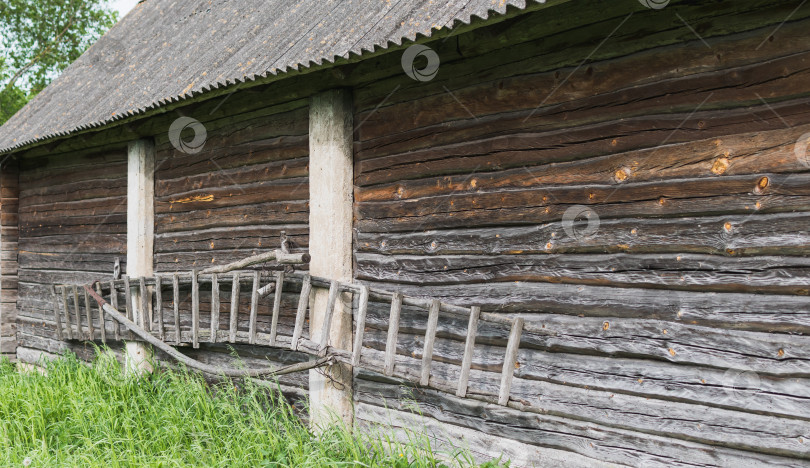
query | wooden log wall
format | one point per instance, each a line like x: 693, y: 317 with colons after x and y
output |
x: 681, y: 319
x: 231, y: 200
x: 9, y: 236
x: 72, y: 210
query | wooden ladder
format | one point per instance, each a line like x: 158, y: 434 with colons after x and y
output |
x: 77, y: 321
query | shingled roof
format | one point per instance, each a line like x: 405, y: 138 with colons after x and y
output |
x: 170, y: 50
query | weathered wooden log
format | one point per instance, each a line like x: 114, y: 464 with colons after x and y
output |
x: 278, y: 255
x: 362, y: 309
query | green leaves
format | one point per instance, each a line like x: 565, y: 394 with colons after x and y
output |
x: 39, y: 39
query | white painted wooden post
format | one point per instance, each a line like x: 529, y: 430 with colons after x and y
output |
x: 140, y: 238
x: 330, y: 245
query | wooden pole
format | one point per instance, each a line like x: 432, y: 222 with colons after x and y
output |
x: 234, y: 322
x: 101, y: 318
x: 195, y: 310
x: 254, y: 308
x: 509, y: 361
x: 362, y: 309
x: 393, y: 332
x: 469, y: 345
x: 68, y: 326
x: 430, y: 339
x: 159, y: 305
x: 56, y: 319
x: 114, y: 303
x: 175, y: 307
x: 276, y: 307
x: 331, y: 189
x: 140, y: 239
x: 301, y: 313
x: 214, y: 307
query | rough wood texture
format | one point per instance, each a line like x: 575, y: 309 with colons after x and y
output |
x: 430, y: 338
x: 509, y: 361
x: 234, y: 311
x: 393, y: 332
x: 195, y: 310
x: 175, y: 307
x: 9, y: 238
x: 254, y: 307
x: 469, y: 346
x: 301, y: 312
x: 214, y: 308
x: 696, y: 275
x: 360, y: 325
x: 276, y: 307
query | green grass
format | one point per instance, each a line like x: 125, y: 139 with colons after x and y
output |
x: 79, y: 415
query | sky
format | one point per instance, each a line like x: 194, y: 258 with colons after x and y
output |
x: 123, y: 6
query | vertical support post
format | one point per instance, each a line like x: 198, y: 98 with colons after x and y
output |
x: 331, y: 191
x: 9, y: 235
x: 140, y: 238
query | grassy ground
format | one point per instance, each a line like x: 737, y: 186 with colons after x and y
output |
x: 78, y: 415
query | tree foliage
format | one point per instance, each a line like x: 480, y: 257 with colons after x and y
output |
x: 39, y: 39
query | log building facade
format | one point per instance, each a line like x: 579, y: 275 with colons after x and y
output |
x: 627, y: 175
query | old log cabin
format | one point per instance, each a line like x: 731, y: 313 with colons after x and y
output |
x: 630, y: 178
